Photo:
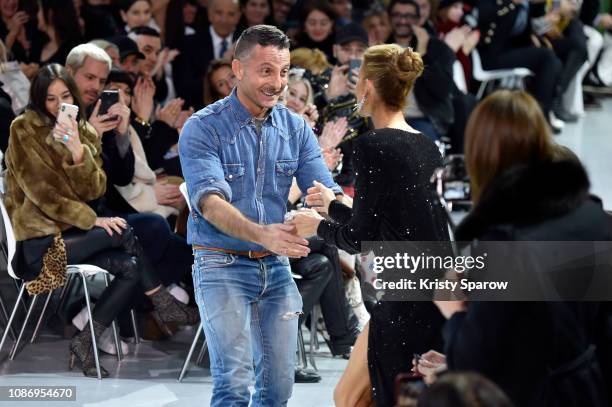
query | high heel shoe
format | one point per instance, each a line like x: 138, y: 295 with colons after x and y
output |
x: 169, y: 309
x: 81, y: 350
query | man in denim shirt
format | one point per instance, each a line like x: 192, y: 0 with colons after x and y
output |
x: 239, y: 156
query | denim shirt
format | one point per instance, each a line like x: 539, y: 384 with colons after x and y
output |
x: 221, y: 152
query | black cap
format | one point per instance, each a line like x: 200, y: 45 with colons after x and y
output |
x: 351, y: 32
x: 447, y: 3
x: 127, y: 47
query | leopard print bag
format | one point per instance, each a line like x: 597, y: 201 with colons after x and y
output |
x: 53, y: 271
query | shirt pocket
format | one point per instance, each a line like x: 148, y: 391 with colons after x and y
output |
x: 285, y: 170
x: 234, y: 175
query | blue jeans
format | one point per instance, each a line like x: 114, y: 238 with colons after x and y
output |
x: 250, y: 310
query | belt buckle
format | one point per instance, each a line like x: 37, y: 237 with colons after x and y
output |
x: 251, y: 254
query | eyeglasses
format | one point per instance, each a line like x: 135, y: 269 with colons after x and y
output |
x: 404, y: 16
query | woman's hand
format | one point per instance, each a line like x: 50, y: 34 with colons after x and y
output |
x: 168, y: 194
x: 111, y: 224
x: 429, y: 365
x: 169, y: 114
x: 102, y: 123
x: 122, y: 112
x: 68, y: 135
x: 142, y: 102
x: 311, y: 114
x: 306, y: 222
x: 319, y: 197
x: 332, y: 157
x: 182, y: 118
x: 333, y: 132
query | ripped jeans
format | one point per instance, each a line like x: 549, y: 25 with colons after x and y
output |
x: 250, y: 311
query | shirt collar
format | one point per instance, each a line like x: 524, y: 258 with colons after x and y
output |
x: 217, y: 39
x: 243, y: 116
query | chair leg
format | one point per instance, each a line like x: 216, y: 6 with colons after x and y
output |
x: 9, y: 324
x: 63, y: 294
x: 135, y: 327
x: 23, y: 327
x: 91, y: 327
x: 202, y: 353
x: 18, y: 288
x: 6, y: 318
x: 481, y: 90
x: 302, y: 348
x: 313, y: 337
x: 315, y: 328
x: 114, y: 328
x: 41, y: 318
x: 190, y: 354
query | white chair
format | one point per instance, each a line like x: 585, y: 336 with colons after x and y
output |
x: 183, y: 189
x: 83, y: 270
x: 508, y: 78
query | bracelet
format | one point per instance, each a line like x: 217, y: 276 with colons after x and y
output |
x: 142, y: 122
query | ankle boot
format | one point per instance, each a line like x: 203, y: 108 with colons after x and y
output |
x: 169, y: 309
x: 81, y: 349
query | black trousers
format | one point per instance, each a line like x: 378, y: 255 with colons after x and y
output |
x: 572, y: 51
x: 322, y: 283
x: 541, y: 61
x: 121, y: 256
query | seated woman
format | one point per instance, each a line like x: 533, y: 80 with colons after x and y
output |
x: 53, y: 171
x: 219, y: 81
x: 526, y: 188
x: 394, y: 201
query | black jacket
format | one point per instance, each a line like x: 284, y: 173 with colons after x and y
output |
x: 540, y: 353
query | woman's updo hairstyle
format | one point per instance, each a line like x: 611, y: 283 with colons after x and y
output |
x: 393, y: 70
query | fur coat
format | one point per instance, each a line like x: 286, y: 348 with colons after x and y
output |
x: 45, y: 192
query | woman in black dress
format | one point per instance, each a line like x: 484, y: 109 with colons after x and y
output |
x: 394, y: 201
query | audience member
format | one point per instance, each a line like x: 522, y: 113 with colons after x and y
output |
x: 318, y: 28
x: 219, y: 81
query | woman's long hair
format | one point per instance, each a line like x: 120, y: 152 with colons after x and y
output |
x: 210, y: 93
x: 506, y: 129
x: 40, y: 86
x: 62, y: 15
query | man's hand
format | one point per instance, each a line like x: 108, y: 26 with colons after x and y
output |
x: 102, y: 123
x: 168, y: 194
x: 429, y: 365
x: 282, y: 240
x: 122, y: 112
x: 338, y: 83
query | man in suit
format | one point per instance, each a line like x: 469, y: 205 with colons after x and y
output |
x: 216, y: 42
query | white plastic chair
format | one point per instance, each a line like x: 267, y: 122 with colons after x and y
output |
x: 509, y: 78
x: 183, y: 189
x: 83, y: 270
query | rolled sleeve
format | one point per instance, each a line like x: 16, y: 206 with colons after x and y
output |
x: 311, y: 164
x: 202, y: 169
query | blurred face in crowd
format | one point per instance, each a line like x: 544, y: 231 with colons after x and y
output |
x: 350, y: 50
x: 262, y: 77
x: 403, y: 16
x: 256, y: 11
x: 297, y: 97
x: 150, y: 46
x: 57, y: 93
x: 124, y: 90
x: 223, y: 16
x: 318, y: 25
x: 281, y: 9
x: 137, y: 15
x: 223, y: 80
x: 344, y: 8
x: 424, y: 11
x: 131, y: 64
x: 114, y: 55
x: 190, y: 11
x: 90, y: 79
x: 379, y: 28
x: 454, y: 13
x: 8, y: 8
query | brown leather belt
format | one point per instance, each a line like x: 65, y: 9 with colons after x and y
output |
x: 251, y: 254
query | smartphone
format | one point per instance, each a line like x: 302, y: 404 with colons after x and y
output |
x: 108, y: 98
x: 353, y: 64
x: 67, y: 112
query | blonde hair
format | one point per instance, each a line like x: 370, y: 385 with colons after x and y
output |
x: 507, y: 128
x: 294, y: 80
x: 312, y: 59
x: 393, y: 70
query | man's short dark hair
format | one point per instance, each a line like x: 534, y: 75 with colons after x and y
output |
x: 145, y: 30
x: 264, y: 35
x: 410, y: 2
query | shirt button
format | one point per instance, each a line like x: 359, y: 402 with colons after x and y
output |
x: 231, y: 176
